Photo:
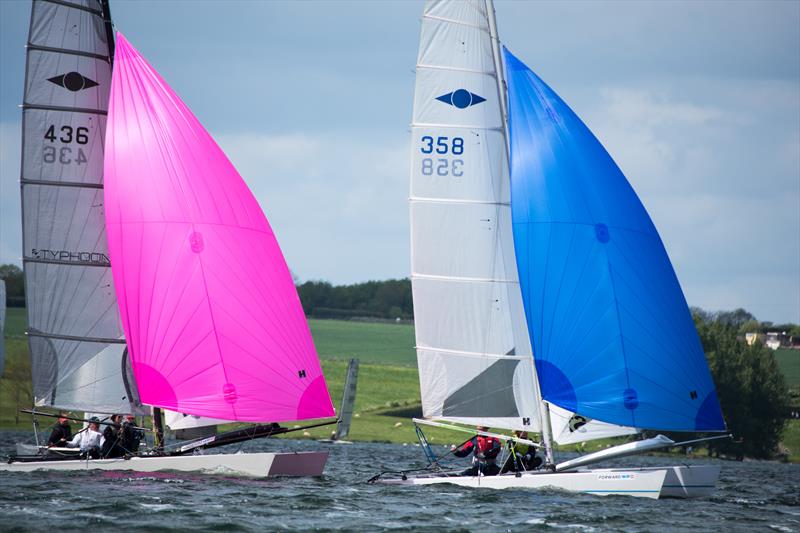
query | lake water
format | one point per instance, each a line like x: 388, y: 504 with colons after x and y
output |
x: 750, y: 496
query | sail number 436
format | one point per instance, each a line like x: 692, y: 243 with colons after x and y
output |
x: 66, y: 135
x: 442, y: 166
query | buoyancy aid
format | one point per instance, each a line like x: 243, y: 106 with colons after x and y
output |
x: 485, y: 448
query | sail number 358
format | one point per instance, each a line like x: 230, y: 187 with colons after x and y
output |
x: 65, y: 154
x: 442, y: 166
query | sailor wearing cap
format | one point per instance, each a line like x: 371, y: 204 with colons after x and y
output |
x: 88, y: 440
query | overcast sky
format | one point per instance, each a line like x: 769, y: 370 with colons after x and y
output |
x: 698, y: 103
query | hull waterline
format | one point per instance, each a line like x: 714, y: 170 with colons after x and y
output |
x: 244, y: 464
x: 685, y: 481
x: 637, y: 483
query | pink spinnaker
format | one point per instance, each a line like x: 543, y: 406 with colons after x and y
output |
x: 212, y: 318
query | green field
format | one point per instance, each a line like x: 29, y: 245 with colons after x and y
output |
x: 369, y: 342
x: 789, y: 363
x: 15, y: 322
x: 388, y: 384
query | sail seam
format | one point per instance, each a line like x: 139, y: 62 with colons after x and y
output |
x: 38, y: 48
x: 463, y: 278
x: 74, y: 337
x: 523, y: 358
x: 457, y: 69
x: 422, y: 199
x: 65, y: 109
x: 74, y: 6
x: 54, y: 183
x: 460, y: 126
x: 458, y: 22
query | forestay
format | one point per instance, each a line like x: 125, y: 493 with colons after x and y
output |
x: 613, y: 337
x: 473, y: 351
x: 212, y: 317
x: 75, y: 336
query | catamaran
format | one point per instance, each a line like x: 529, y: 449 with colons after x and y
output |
x: 544, y: 300
x: 153, y: 278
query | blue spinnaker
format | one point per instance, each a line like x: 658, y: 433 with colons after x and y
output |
x: 612, y: 335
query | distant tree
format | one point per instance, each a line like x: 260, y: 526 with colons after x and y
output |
x: 15, y: 285
x: 750, y: 386
x: 314, y: 294
x: 751, y: 326
x: 735, y: 318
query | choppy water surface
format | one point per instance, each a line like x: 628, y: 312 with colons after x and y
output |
x: 750, y: 496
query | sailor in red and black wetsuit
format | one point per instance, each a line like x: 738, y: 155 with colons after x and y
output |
x: 485, y: 450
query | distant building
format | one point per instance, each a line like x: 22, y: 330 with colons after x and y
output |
x: 776, y: 339
x: 752, y: 338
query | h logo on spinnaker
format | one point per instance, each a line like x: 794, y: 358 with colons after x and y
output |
x: 461, y: 99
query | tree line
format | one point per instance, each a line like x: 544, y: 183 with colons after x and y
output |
x: 389, y: 299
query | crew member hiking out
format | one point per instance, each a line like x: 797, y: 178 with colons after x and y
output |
x: 485, y: 450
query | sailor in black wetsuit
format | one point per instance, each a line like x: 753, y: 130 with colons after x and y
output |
x: 62, y: 433
x: 130, y: 435
x: 111, y: 436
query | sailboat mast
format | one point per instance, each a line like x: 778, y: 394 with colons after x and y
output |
x: 544, y: 408
x: 498, y: 69
x: 109, y: 29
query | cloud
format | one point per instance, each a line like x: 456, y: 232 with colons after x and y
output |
x: 721, y: 181
x: 337, y: 205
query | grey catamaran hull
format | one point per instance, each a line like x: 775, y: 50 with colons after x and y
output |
x: 604, y: 483
x: 243, y: 464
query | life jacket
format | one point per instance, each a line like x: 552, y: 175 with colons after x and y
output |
x: 488, y: 446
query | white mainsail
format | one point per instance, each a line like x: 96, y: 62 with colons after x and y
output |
x: 473, y: 351
x: 76, y: 339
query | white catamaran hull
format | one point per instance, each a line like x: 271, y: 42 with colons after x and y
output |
x: 687, y: 481
x: 246, y: 464
x: 643, y: 483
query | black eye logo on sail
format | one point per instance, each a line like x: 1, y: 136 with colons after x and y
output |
x: 461, y: 98
x: 577, y: 422
x: 73, y: 81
